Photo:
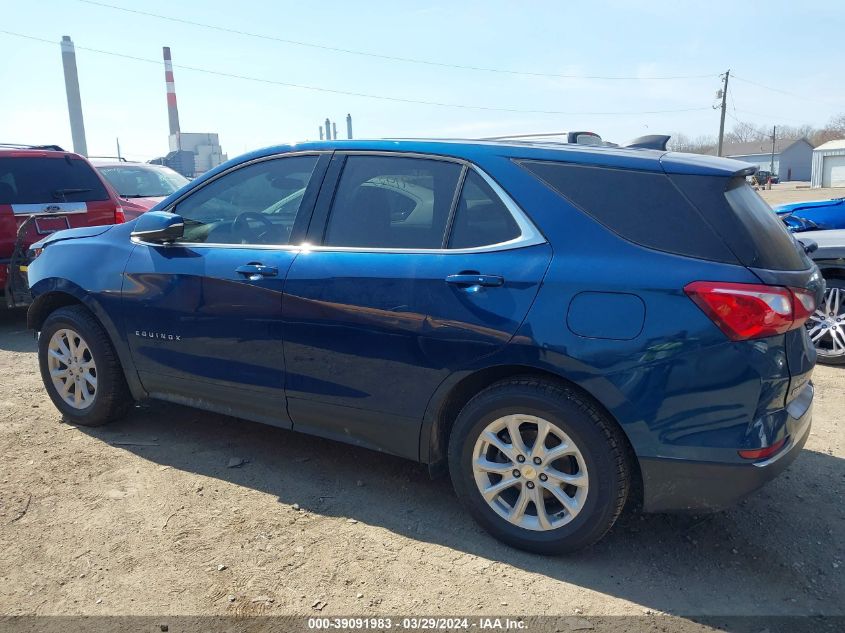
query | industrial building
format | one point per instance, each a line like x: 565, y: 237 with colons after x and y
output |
x: 191, y: 153
x: 791, y: 156
x: 829, y: 165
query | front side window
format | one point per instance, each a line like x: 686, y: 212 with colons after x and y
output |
x: 256, y: 204
x: 481, y: 219
x: 392, y: 202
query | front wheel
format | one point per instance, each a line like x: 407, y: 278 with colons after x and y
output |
x: 826, y: 326
x: 80, y: 369
x: 539, y: 466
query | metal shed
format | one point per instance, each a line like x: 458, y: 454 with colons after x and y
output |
x: 828, y: 168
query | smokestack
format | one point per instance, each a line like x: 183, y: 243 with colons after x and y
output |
x: 172, y: 110
x: 328, y: 129
x: 74, y: 100
x: 349, y: 126
x: 321, y: 132
x: 334, y: 131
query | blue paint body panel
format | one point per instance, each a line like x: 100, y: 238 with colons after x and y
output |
x: 367, y: 347
x: 813, y: 216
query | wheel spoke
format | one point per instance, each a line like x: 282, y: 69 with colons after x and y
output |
x: 496, y: 489
x: 518, y: 511
x: 565, y: 500
x: 72, y: 368
x: 579, y: 479
x: 505, y: 449
x: 540, y: 505
x: 91, y: 380
x: 482, y: 463
x: 516, y: 435
x: 561, y: 450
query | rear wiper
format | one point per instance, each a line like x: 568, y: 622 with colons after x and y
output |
x: 141, y: 195
x: 62, y: 193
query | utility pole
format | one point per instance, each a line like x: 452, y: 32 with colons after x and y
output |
x: 118, y: 148
x: 724, y: 92
x: 774, y: 134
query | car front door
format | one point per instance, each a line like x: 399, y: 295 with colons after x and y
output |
x: 419, y: 267
x: 203, y: 315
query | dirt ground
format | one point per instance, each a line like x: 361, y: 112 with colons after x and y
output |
x: 144, y: 517
x: 786, y: 192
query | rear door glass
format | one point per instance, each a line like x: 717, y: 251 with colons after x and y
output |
x: 481, y: 218
x: 46, y: 180
x: 392, y: 202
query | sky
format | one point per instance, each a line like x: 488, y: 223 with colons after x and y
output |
x: 547, y: 67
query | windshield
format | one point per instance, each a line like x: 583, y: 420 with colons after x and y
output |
x: 138, y: 181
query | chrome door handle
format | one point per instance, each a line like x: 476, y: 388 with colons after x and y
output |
x: 475, y: 279
x: 256, y: 271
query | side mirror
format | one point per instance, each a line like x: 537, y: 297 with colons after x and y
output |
x: 159, y: 227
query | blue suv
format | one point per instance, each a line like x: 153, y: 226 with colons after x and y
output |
x: 563, y: 328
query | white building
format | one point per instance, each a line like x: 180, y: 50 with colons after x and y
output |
x: 205, y: 147
x: 828, y: 168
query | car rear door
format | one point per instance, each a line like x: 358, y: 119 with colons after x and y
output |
x: 420, y: 266
x: 58, y: 190
x: 203, y: 315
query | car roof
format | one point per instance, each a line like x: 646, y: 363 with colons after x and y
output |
x: 476, y: 150
x: 122, y: 163
x: 37, y: 153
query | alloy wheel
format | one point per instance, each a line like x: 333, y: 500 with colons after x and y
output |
x: 530, y: 472
x: 72, y: 368
x: 826, y: 326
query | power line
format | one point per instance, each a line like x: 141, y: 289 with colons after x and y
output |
x: 784, y: 92
x: 349, y: 93
x: 408, y: 60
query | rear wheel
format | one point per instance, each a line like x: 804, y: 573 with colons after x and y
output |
x: 538, y: 466
x: 80, y: 369
x: 827, y: 326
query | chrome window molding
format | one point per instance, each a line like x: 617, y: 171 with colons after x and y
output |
x: 529, y: 234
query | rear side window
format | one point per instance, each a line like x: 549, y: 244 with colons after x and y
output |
x: 45, y: 180
x: 642, y: 207
x: 746, y: 222
x: 481, y: 218
x: 392, y: 202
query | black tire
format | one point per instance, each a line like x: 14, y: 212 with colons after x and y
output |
x: 821, y: 357
x: 112, y: 398
x: 599, y: 440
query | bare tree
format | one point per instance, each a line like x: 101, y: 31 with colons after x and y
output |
x: 698, y: 145
x: 744, y: 132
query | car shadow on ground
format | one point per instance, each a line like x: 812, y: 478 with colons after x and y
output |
x: 762, y: 557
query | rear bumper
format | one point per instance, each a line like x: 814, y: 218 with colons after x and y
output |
x: 674, y: 485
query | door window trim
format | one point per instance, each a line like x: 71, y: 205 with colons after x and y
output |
x: 529, y: 234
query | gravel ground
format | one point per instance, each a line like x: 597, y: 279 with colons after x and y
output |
x: 145, y: 517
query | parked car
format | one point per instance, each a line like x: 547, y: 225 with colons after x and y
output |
x: 826, y: 327
x: 141, y: 186
x: 815, y: 215
x: 44, y: 189
x: 560, y: 327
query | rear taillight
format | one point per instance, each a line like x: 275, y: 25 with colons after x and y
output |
x: 746, y: 311
x: 763, y: 453
x: 119, y: 215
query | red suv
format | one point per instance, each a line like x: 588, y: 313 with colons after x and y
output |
x: 45, y: 189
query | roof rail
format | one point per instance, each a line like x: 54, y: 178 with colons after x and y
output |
x: 53, y: 148
x: 649, y: 141
x: 120, y: 158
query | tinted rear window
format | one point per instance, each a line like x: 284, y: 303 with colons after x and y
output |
x: 43, y: 180
x: 746, y: 222
x: 642, y: 207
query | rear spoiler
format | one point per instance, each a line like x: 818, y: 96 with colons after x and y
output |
x: 52, y: 148
x: 649, y: 141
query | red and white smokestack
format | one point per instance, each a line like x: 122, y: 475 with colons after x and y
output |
x: 172, y: 110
